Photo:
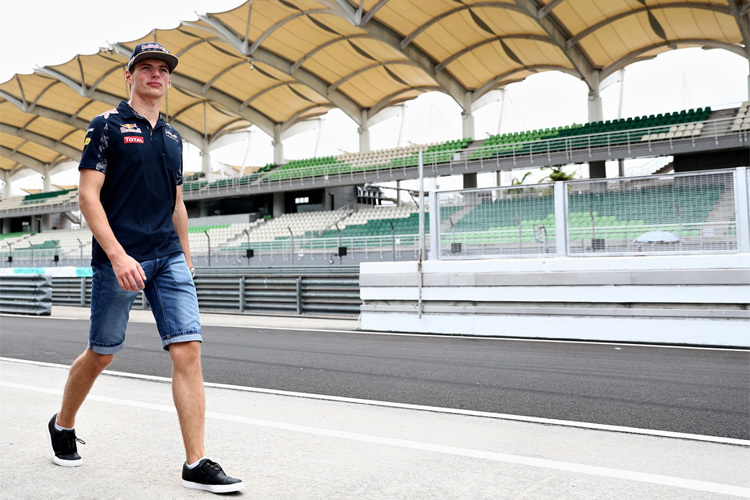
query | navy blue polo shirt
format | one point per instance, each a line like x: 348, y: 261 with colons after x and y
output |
x: 142, y: 168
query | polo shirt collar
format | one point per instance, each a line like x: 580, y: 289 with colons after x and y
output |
x: 127, y: 112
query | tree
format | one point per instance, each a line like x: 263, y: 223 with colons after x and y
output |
x: 516, y: 182
x: 557, y: 174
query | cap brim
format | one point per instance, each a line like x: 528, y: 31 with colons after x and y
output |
x: 170, y: 59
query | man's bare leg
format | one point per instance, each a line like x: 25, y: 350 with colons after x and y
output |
x: 83, y: 373
x: 189, y: 397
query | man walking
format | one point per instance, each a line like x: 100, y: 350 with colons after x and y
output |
x: 130, y: 193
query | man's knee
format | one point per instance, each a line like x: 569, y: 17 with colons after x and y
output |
x: 97, y: 361
x: 185, y: 353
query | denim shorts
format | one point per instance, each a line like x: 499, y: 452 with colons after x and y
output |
x: 171, y: 294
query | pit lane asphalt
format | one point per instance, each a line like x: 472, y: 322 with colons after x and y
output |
x: 687, y: 390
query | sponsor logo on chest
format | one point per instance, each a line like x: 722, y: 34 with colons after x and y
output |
x: 171, y: 135
x: 130, y: 139
x: 130, y: 128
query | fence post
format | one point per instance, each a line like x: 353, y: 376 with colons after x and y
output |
x: 299, y: 294
x: 741, y: 188
x: 561, y: 218
x: 435, y: 249
x: 242, y: 294
x: 83, y: 292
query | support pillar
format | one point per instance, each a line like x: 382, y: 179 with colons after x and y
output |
x: 504, y: 178
x: 46, y: 188
x: 6, y: 194
x: 7, y: 186
x: 206, y: 158
x: 47, y: 179
x: 470, y: 181
x: 467, y: 117
x: 278, y: 146
x: 596, y: 113
x: 597, y: 169
x: 364, y: 133
x: 278, y: 204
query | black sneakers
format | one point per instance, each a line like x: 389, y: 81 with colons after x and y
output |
x: 63, y: 445
x: 209, y: 476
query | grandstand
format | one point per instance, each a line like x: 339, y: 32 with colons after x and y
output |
x: 618, y: 215
x: 656, y: 131
x: 364, y: 68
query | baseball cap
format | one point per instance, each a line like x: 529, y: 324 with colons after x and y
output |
x: 153, y: 50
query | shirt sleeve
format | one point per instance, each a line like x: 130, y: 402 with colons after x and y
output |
x: 94, y: 156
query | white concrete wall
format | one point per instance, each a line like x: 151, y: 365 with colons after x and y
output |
x: 672, y: 299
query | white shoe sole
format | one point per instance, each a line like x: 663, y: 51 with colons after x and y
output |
x: 59, y: 461
x: 214, y: 488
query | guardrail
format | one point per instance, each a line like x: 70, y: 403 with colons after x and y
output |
x: 26, y: 294
x: 293, y: 291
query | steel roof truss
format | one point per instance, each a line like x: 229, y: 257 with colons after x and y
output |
x: 324, y: 46
x: 673, y: 5
x: 542, y: 12
x: 470, y: 48
x: 740, y: 11
x: 364, y: 69
x: 256, y: 44
x: 559, y: 36
x: 315, y: 83
x: 47, y: 142
x: 387, y: 100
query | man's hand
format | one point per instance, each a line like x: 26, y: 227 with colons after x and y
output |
x: 129, y: 273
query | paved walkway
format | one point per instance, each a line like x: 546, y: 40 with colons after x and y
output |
x: 288, y: 447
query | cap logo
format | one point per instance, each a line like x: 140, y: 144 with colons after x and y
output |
x: 152, y: 50
x: 149, y: 46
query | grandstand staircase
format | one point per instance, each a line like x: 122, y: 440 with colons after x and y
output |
x: 445, y: 226
x: 725, y: 126
x: 346, y: 211
x: 666, y: 169
x: 240, y: 237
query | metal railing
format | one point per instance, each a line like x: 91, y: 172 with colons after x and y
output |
x: 291, y: 291
x: 549, y: 151
x: 26, y: 294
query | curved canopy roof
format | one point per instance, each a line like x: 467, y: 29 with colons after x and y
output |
x: 276, y: 63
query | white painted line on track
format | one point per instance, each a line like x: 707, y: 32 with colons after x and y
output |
x: 575, y: 468
x: 432, y: 409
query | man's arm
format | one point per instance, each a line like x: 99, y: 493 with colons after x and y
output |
x: 180, y: 221
x: 129, y: 273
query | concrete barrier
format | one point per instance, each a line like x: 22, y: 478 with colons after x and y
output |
x: 698, y: 300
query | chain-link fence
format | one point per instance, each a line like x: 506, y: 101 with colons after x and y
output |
x: 501, y: 221
x: 678, y: 214
x: 657, y: 214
